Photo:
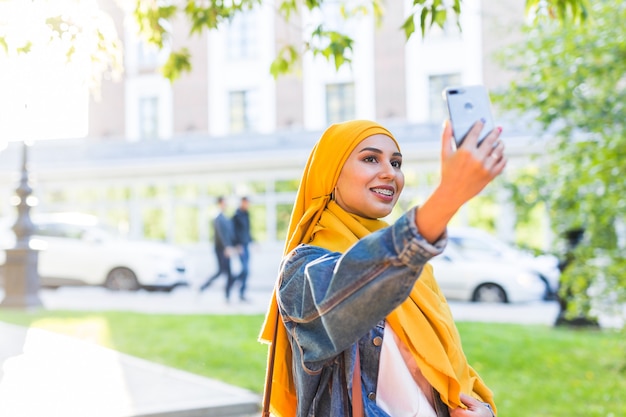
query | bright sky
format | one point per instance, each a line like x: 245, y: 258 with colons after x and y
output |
x: 41, y: 97
x: 40, y: 100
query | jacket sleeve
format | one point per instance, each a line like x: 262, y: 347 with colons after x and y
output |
x: 329, y: 300
x: 224, y: 230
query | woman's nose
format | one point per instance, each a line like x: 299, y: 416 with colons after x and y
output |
x: 387, y: 171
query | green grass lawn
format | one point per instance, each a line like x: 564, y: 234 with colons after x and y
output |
x: 533, y: 370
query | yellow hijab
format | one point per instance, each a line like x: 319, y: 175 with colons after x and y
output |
x: 423, y: 322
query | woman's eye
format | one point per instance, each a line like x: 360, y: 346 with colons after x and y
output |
x: 396, y: 164
x: 369, y: 159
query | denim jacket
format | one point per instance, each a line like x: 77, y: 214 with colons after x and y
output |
x: 329, y: 301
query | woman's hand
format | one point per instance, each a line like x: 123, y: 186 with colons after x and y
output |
x: 465, y: 172
x: 468, y: 169
x: 474, y: 408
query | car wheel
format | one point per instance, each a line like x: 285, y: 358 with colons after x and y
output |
x: 122, y: 279
x: 489, y: 293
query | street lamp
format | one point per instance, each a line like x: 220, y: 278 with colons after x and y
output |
x: 21, y: 279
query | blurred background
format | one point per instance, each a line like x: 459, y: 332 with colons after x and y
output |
x: 123, y: 121
x: 145, y: 151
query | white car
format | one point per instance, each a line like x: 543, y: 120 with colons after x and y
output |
x: 480, y: 245
x: 74, y: 249
x: 478, y: 267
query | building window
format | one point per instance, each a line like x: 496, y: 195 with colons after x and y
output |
x: 147, y: 56
x: 241, y: 36
x: 238, y: 122
x: 340, y: 103
x: 436, y: 84
x: 148, y: 117
x: 242, y: 105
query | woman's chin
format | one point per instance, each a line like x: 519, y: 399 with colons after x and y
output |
x: 380, y: 212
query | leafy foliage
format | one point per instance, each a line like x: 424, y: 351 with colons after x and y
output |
x: 92, y: 34
x: 572, y: 79
x: 562, y: 10
x: 331, y: 44
x: 177, y: 63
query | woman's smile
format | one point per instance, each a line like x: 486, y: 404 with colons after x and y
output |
x: 384, y: 192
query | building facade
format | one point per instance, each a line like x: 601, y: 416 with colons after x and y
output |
x: 158, y: 154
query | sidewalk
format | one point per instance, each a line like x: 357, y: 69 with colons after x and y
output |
x: 51, y: 375
x: 44, y: 374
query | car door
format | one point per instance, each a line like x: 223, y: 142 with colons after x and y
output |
x: 453, y: 275
x: 66, y: 257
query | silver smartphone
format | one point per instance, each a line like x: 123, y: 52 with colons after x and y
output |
x: 466, y: 105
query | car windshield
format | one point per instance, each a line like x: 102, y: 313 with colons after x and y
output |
x: 475, y: 247
x: 74, y: 228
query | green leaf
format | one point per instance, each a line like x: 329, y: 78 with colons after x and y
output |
x: 313, y: 4
x: 177, y: 63
x: 560, y: 10
x: 457, y: 7
x: 24, y: 49
x: 150, y: 18
x: 409, y: 26
x: 440, y: 17
x: 287, y: 7
x: 284, y: 61
x: 423, y: 18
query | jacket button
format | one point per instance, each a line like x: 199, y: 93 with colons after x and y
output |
x: 371, y: 396
x: 377, y: 341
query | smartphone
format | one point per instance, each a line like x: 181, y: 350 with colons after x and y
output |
x: 466, y: 105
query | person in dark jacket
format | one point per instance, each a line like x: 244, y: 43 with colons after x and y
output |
x: 243, y: 238
x: 224, y: 248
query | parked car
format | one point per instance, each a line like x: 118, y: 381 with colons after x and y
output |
x: 76, y: 249
x: 480, y: 244
x: 476, y: 266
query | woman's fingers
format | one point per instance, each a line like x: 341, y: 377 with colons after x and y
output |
x: 490, y: 140
x: 446, y: 140
x: 471, y: 139
x: 495, y: 155
x: 490, y: 151
x: 474, y: 408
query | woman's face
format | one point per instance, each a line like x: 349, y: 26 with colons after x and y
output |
x: 371, y: 180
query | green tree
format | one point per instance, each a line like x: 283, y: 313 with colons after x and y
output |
x: 85, y: 35
x: 572, y: 80
x: 152, y: 15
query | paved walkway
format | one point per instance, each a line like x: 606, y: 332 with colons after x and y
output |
x: 50, y: 375
x: 43, y: 374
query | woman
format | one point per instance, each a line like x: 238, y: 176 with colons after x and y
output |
x: 364, y: 329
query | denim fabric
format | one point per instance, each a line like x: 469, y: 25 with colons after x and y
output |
x: 329, y: 301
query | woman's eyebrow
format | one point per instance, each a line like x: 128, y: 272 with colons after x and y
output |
x: 378, y: 151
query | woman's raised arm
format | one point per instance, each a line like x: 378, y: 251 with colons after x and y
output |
x: 464, y: 173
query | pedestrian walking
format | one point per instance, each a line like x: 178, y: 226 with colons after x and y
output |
x: 224, y: 248
x: 243, y: 238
